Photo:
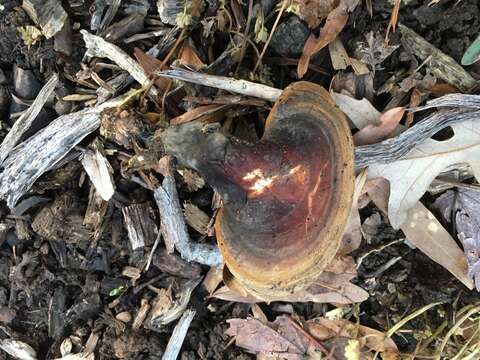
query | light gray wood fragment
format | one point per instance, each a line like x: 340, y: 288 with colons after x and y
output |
x: 174, y: 227
x: 225, y: 83
x: 178, y: 335
x: 41, y: 152
x: 24, y: 122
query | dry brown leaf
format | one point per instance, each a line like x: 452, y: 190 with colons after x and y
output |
x: 259, y: 338
x: 206, y: 113
x: 313, y: 11
x: 282, y: 339
x: 376, y: 132
x: 213, y: 278
x: 150, y: 64
x: 373, y: 339
x: 338, y: 55
x: 332, y: 286
x: 336, y: 21
x: 258, y: 313
x: 393, y: 19
x: 188, y: 57
x: 360, y: 112
x: 286, y: 338
x: 424, y: 231
x: 352, y: 236
x: 411, y: 175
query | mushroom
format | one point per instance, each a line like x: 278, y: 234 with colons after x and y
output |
x: 286, y: 198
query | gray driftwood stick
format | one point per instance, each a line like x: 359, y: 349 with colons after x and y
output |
x: 441, y: 65
x: 26, y: 119
x: 41, y: 152
x: 98, y: 47
x: 225, y: 83
x: 173, y: 222
x: 178, y: 335
x: 394, y: 148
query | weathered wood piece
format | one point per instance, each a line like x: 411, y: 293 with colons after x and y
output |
x: 140, y: 227
x: 24, y: 122
x: 49, y: 15
x: 394, y: 148
x: 178, y: 335
x: 441, y: 65
x: 225, y: 83
x: 41, y: 152
x: 99, y: 170
x: 173, y: 222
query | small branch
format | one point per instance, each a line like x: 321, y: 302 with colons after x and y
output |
x: 225, y: 83
x: 173, y: 223
x: 26, y: 119
x: 98, y: 47
x: 178, y: 335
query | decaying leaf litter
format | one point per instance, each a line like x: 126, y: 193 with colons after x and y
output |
x: 109, y: 243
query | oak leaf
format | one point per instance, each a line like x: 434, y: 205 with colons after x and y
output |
x: 410, y: 176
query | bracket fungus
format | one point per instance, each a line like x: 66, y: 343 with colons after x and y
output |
x: 286, y: 198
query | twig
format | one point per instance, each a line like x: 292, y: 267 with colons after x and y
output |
x: 225, y: 83
x: 245, y: 36
x: 98, y: 47
x: 173, y: 222
x: 178, y: 335
x: 274, y: 27
x: 25, y: 121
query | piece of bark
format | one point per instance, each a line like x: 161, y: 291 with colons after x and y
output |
x: 96, y: 210
x: 49, y: 15
x: 141, y: 315
x: 99, y: 170
x: 43, y: 151
x: 112, y: 9
x: 141, y: 229
x: 56, y: 308
x: 178, y: 335
x: 63, y: 39
x: 132, y: 24
x: 24, y: 122
x: 170, y: 304
x: 196, y: 218
x: 442, y: 66
x: 62, y: 220
x: 175, y: 265
x: 173, y: 222
x: 123, y: 127
x: 83, y: 310
x: 98, y: 7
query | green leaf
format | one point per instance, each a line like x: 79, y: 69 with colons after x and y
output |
x: 117, y: 291
x: 472, y: 55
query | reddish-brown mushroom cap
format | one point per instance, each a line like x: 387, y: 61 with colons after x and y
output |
x: 287, y: 197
